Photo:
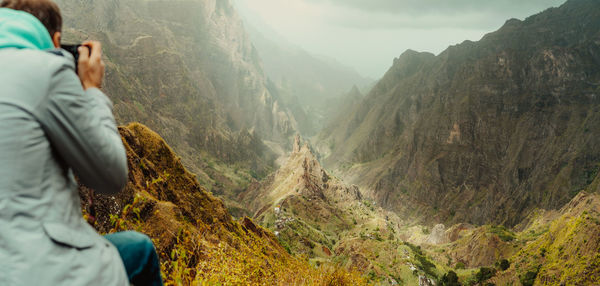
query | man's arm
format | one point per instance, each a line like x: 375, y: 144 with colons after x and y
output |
x: 81, y: 126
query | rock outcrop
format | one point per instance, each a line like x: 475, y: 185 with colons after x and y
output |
x: 438, y: 235
x: 300, y: 175
x: 317, y: 215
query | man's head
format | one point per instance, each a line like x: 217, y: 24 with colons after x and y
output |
x: 45, y: 10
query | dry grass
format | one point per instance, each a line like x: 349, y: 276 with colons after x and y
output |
x: 197, y: 240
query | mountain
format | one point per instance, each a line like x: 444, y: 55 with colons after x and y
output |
x: 496, y: 139
x: 562, y: 248
x: 188, y: 70
x: 315, y: 214
x: 550, y: 247
x: 486, y: 131
x: 311, y: 82
x: 196, y: 238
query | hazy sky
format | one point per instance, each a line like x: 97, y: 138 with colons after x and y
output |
x: 368, y: 34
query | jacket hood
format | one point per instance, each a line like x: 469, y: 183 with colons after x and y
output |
x: 22, y: 30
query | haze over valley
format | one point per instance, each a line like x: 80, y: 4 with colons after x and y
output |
x: 335, y: 142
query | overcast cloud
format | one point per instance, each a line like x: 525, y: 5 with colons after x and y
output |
x: 368, y: 34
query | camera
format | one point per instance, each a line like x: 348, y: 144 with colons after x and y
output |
x: 73, y: 50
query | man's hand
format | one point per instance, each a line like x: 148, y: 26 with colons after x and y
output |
x: 90, y: 65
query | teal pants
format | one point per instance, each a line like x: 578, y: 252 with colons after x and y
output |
x: 139, y: 256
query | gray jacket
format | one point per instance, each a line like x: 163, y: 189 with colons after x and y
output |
x: 49, y: 129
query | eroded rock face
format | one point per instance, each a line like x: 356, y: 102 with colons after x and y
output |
x: 155, y: 170
x: 188, y: 70
x: 456, y: 231
x: 438, y: 235
x: 317, y: 215
x: 301, y: 175
x: 487, y: 130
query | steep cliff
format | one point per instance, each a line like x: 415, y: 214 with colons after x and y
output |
x: 317, y: 85
x: 485, y: 131
x: 187, y: 70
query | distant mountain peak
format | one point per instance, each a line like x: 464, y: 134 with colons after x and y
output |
x: 297, y: 142
x: 512, y: 21
x: 354, y: 92
x: 300, y: 175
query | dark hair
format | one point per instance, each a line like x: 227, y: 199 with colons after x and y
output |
x: 45, y: 10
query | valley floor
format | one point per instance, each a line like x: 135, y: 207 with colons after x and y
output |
x: 315, y: 214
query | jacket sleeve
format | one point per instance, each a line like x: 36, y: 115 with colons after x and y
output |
x: 81, y: 128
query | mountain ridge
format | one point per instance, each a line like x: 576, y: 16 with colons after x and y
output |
x: 195, y: 236
x: 314, y: 213
x: 460, y: 128
x: 311, y: 82
x: 485, y: 135
x: 188, y: 70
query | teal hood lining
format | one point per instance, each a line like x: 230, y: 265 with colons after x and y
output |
x: 22, y: 30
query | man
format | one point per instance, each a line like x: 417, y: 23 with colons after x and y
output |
x: 53, y: 124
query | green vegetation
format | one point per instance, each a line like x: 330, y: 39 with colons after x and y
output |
x: 197, y: 240
x: 541, y: 181
x: 200, y: 242
x: 426, y: 265
x: 504, y: 234
x: 423, y: 263
x: 503, y: 264
x: 528, y: 278
x: 449, y: 279
x: 285, y: 245
x: 484, y: 274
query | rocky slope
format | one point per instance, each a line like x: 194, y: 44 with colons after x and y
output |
x: 188, y: 70
x: 315, y: 214
x: 196, y: 238
x: 565, y: 251
x: 317, y: 85
x: 557, y: 247
x: 486, y: 131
